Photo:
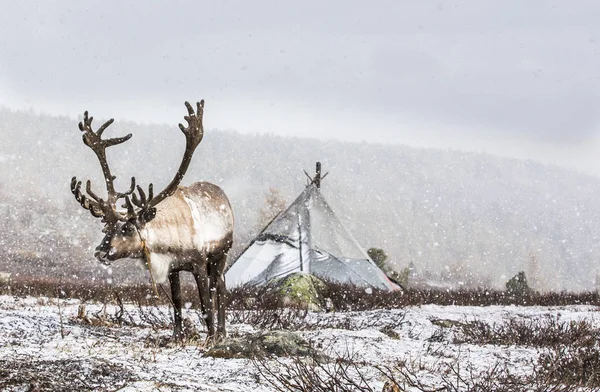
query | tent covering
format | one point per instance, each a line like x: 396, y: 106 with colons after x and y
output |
x: 309, y: 238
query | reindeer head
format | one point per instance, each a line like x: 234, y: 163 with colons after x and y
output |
x: 123, y: 228
x: 123, y: 237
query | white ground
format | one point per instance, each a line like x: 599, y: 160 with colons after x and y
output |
x: 31, y: 330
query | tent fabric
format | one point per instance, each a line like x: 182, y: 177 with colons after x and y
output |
x: 307, y: 237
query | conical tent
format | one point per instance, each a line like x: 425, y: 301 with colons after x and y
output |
x: 307, y: 237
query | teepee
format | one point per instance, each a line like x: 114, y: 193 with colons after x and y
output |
x: 307, y: 237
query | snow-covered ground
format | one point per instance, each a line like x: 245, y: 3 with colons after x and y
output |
x: 51, y: 334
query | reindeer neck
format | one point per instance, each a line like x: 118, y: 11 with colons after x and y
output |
x: 147, y: 260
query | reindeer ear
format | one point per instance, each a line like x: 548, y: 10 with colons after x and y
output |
x: 149, y: 214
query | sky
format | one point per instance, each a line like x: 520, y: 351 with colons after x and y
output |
x: 514, y: 78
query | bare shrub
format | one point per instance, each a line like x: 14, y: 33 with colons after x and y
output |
x: 92, y: 374
x: 546, y: 332
x: 292, y: 318
x: 558, y: 371
x: 145, y: 316
x: 89, y: 291
x: 571, y: 366
x: 349, y: 297
x: 119, y: 317
x: 345, y: 374
x: 155, y: 317
x: 456, y: 378
x: 249, y: 297
x: 312, y: 374
x: 343, y: 297
x: 262, y: 308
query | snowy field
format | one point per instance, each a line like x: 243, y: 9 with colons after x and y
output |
x: 47, y: 344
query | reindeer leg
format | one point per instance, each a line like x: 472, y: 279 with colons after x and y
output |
x: 201, y: 276
x: 218, y: 288
x: 212, y: 289
x: 202, y: 308
x: 176, y: 297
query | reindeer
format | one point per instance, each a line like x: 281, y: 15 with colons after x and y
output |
x: 179, y: 229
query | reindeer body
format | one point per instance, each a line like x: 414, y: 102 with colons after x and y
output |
x: 181, y: 229
x: 196, y: 222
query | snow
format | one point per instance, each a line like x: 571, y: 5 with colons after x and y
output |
x: 31, y: 330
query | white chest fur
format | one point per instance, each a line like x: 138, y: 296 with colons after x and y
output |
x: 159, y: 266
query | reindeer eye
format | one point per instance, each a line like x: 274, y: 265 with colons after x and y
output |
x: 128, y: 229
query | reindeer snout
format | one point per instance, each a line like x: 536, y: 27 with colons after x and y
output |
x: 101, y: 255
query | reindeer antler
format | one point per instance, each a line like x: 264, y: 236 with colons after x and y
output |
x: 193, y: 132
x: 142, y: 202
x: 92, y: 205
x: 193, y: 136
x: 96, y: 205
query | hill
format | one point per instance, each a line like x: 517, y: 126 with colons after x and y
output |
x: 462, y: 217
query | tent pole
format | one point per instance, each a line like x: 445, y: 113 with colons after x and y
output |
x: 318, y: 175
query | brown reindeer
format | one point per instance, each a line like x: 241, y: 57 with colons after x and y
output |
x: 179, y: 229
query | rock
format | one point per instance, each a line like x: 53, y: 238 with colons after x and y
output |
x: 301, y: 289
x: 445, y: 323
x: 277, y: 343
x: 389, y: 331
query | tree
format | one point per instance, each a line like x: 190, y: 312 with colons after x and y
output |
x: 274, y: 204
x: 517, y: 285
x: 379, y: 256
x: 402, y: 277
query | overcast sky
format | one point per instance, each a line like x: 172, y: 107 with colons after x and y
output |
x: 517, y: 78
